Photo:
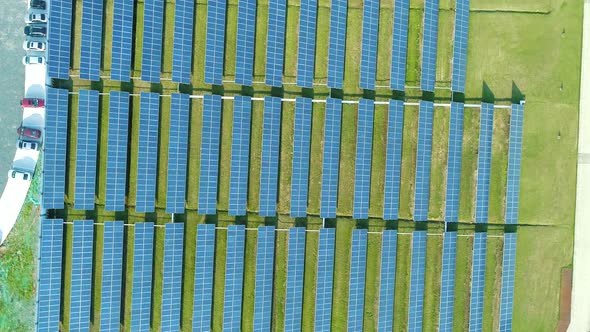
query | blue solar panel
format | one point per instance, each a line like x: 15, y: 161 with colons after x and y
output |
x: 122, y: 39
x: 478, y: 282
x: 245, y: 41
x: 338, y: 10
x: 358, y: 264
x: 215, y: 44
x: 295, y: 269
x: 460, y: 45
x: 182, y: 53
x: 86, y: 150
x: 147, y: 155
x: 265, y: 252
x: 423, y: 160
x: 306, y: 49
x: 117, y: 151
x: 514, y: 159
x: 240, y: 153
x: 484, y: 163
x: 234, y: 273
x: 387, y: 280
x: 59, y: 37
x: 151, y: 54
x: 301, y: 146
x: 416, y: 306
x: 49, y: 275
x: 364, y: 152
x: 91, y: 53
x: 429, y: 45
x: 393, y: 163
x: 172, y: 277
x: 454, y: 162
x: 447, y: 283
x: 204, y: 265
x: 269, y: 169
x: 399, y: 49
x: 275, y: 42
x: 209, y: 154
x: 81, y: 282
x: 112, y: 273
x: 141, y: 292
x: 329, y: 198
x: 54, y: 148
x: 325, y: 279
x: 369, y: 44
x: 177, y: 153
x: 507, y: 295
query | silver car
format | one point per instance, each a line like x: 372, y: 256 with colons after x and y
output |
x: 26, y: 145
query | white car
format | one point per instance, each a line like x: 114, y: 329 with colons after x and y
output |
x: 33, y: 60
x: 26, y: 145
x: 36, y: 18
x: 33, y: 46
x: 19, y: 175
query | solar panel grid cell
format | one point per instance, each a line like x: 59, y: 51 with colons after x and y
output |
x: 338, y: 11
x: 172, y: 277
x: 429, y: 45
x: 54, y: 148
x: 141, y: 292
x: 234, y: 273
x: 387, y: 280
x: 177, y: 153
x: 59, y: 39
x: 240, y: 154
x: 454, y: 162
x: 460, y: 46
x: 215, y: 44
x: 507, y: 294
x: 399, y: 45
x: 209, y: 154
x: 395, y: 126
x: 423, y: 161
x: 447, y: 288
x: 151, y: 54
x: 484, y: 163
x: 112, y: 265
x: 91, y: 53
x: 306, y: 49
x: 294, y: 288
x: 269, y: 169
x: 358, y: 263
x: 478, y: 282
x: 364, y: 152
x: 264, y: 278
x: 416, y: 303
x: 245, y: 41
x: 49, y: 275
x: 86, y: 150
x: 301, y: 147
x: 331, y: 158
x: 182, y: 51
x: 369, y: 44
x: 275, y: 42
x: 204, y: 264
x: 122, y: 38
x: 117, y: 151
x: 325, y: 280
x: 81, y: 281
x: 514, y: 159
x: 147, y: 156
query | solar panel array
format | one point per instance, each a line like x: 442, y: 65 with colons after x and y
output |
x: 507, y: 295
x: 325, y: 279
x: 484, y: 162
x: 141, y: 291
x: 478, y: 282
x: 306, y: 49
x: 215, y: 44
x: 454, y: 162
x: 177, y: 153
x: 54, y: 148
x: 265, y: 250
x: 269, y: 168
x: 151, y: 54
x: 81, y: 282
x: 358, y: 264
x: 122, y: 40
x: 416, y: 305
x: 240, y: 153
x: 86, y: 150
x: 275, y: 42
x: 423, y: 160
x: 182, y: 52
x: 337, y: 44
x: 49, y: 275
x: 59, y: 35
x: 204, y: 265
x: 234, y: 274
x: 245, y: 41
x: 91, y: 53
x: 369, y: 44
x: 429, y: 45
x: 514, y: 159
x: 393, y: 159
x: 387, y: 280
x: 331, y: 158
x: 294, y: 288
x: 209, y: 154
x: 364, y: 152
x: 301, y: 147
x: 112, y: 273
x: 117, y: 151
x: 147, y: 155
x: 447, y: 284
x: 460, y: 46
x: 399, y: 49
x: 172, y: 277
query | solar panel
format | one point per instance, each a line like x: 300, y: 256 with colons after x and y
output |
x: 507, y: 295
x: 182, y: 52
x: 49, y: 275
x: 151, y: 54
x: 429, y: 45
x: 364, y: 152
x: 81, y: 282
x: 514, y: 159
x: 240, y: 153
x: 329, y: 195
x: 295, y: 269
x: 423, y: 160
x: 484, y: 163
x: 306, y: 48
x: 325, y: 279
x: 112, y: 273
x: 215, y: 44
x: 478, y: 282
x: 141, y: 292
x: 209, y: 154
x: 204, y: 265
x: 447, y: 284
x: 86, y: 150
x: 177, y: 153
x: 301, y: 146
x: 122, y: 39
x: 460, y: 45
x: 265, y: 250
x: 416, y: 306
x: 275, y: 42
x: 147, y: 155
x: 399, y: 49
x: 454, y: 162
x: 54, y: 148
x: 358, y: 264
x: 269, y: 169
x: 369, y: 44
x: 245, y: 41
x: 172, y: 277
x: 234, y: 273
x: 393, y: 159
x: 91, y: 53
x: 59, y: 35
x: 337, y: 44
x: 387, y: 280
x: 117, y: 151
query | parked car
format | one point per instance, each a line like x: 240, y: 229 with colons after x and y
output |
x: 26, y: 145
x: 35, y: 30
x: 19, y: 175
x: 33, y: 46
x: 36, y: 18
x: 33, y: 60
x: 28, y: 132
x: 32, y: 102
x: 38, y: 4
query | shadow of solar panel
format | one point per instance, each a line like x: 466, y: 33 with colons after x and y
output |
x: 204, y: 265
x: 507, y: 295
x: 86, y: 150
x: 325, y: 279
x: 275, y: 42
x: 294, y: 288
x: 81, y: 282
x: 460, y: 46
x: 306, y: 48
x: 514, y: 159
x: 338, y: 10
x: 399, y: 49
x: 454, y: 162
x: 117, y: 151
x: 429, y: 45
x: 183, y: 41
x: 265, y: 252
x: 147, y: 156
x: 141, y: 292
x: 215, y: 44
x: 54, y: 148
x: 209, y: 154
x: 301, y: 146
x: 59, y: 37
x: 49, y: 275
x: 447, y: 288
x: 122, y: 38
x: 245, y: 41
x: 395, y: 127
x: 234, y: 274
x: 177, y: 153
x: 329, y: 195
x: 358, y: 264
x: 172, y: 277
x: 369, y: 44
x: 240, y: 153
x: 416, y: 304
x: 387, y: 280
x: 269, y: 168
x: 484, y: 163
x: 112, y: 272
x: 364, y: 152
x: 423, y: 160
x: 151, y: 54
x: 478, y: 282
x: 91, y: 53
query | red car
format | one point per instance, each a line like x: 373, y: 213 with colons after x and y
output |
x: 32, y: 102
x: 28, y: 132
